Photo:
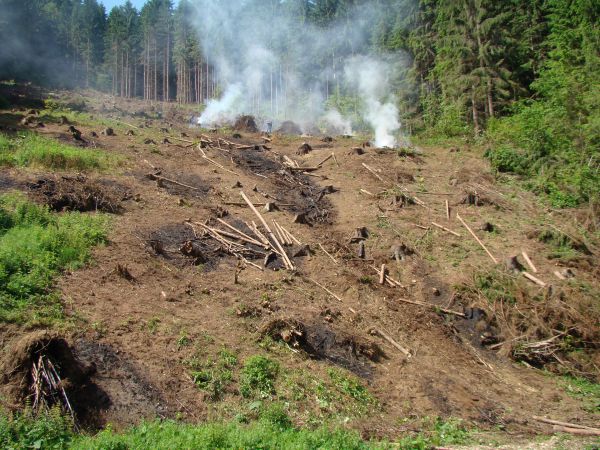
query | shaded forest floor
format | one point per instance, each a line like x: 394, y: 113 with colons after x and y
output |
x: 170, y: 335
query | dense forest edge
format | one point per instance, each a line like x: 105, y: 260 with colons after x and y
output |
x: 520, y: 78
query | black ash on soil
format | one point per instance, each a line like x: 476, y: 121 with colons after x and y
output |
x: 78, y: 193
x: 295, y: 191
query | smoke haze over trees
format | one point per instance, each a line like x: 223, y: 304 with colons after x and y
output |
x: 512, y: 69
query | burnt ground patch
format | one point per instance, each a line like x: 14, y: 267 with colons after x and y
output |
x: 78, y: 193
x: 128, y: 392
x: 320, y: 341
x: 296, y: 192
x: 179, y: 183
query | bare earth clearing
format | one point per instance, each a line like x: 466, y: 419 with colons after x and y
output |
x: 143, y: 309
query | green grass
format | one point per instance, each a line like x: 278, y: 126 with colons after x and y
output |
x: 273, y: 430
x: 258, y: 377
x: 35, y: 246
x: 213, y: 377
x: 586, y: 391
x: 32, y: 150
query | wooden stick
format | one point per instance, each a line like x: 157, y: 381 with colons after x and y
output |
x: 564, y: 424
x: 214, y: 162
x: 128, y: 124
x: 388, y: 338
x: 303, y: 169
x: 382, y: 274
x: 152, y: 176
x: 476, y: 238
x: 183, y: 140
x: 335, y: 159
x: 375, y: 174
x: 429, y: 305
x: 445, y: 229
x: 389, y: 279
x: 364, y: 191
x: 328, y: 254
x: 285, y: 257
x: 252, y: 264
x: 447, y: 210
x: 325, y: 160
x: 231, y: 227
x: 258, y: 233
x: 279, y: 234
x: 578, y: 431
x: 528, y: 261
x: 559, y: 275
x: 534, y: 279
x: 255, y: 204
x: 291, y: 236
x: 325, y: 289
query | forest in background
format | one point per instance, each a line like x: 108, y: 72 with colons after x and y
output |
x: 522, y: 77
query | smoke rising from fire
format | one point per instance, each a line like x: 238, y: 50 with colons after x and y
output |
x: 274, y: 66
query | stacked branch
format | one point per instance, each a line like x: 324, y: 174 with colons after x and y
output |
x: 47, y: 387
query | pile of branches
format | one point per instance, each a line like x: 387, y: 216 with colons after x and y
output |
x: 47, y: 388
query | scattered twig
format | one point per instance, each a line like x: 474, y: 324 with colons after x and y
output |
x: 325, y: 289
x: 156, y: 177
x: 534, y: 279
x: 476, y: 238
x: 528, y: 261
x: 429, y: 305
x: 388, y: 338
x: 328, y: 254
x: 447, y: 210
x: 445, y: 229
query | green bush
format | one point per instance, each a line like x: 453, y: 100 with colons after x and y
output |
x: 35, y: 245
x: 32, y: 150
x: 51, y: 430
x: 258, y: 377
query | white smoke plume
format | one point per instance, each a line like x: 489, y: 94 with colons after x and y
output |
x: 370, y: 77
x: 272, y: 66
x: 338, y: 123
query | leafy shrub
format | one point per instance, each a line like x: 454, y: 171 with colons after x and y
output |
x: 51, y: 430
x: 258, y: 377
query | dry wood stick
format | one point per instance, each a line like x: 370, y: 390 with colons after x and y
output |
x: 252, y: 264
x: 534, y: 279
x: 285, y: 257
x: 476, y: 238
x: 255, y: 204
x: 279, y: 233
x: 335, y: 159
x: 183, y: 140
x: 364, y: 191
x: 241, y: 238
x: 285, y: 236
x: 325, y: 160
x: 215, y: 163
x: 231, y: 227
x: 382, y: 274
x: 303, y: 169
x: 152, y: 176
x: 389, y: 279
x: 445, y: 229
x: 125, y: 123
x: 328, y: 254
x: 291, y: 236
x: 375, y: 174
x: 528, y: 261
x: 578, y: 431
x: 564, y: 424
x: 325, y: 289
x: 559, y: 275
x: 447, y: 210
x: 429, y: 305
x: 388, y: 338
x: 258, y: 233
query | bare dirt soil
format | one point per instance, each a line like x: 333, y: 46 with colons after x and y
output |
x: 130, y: 327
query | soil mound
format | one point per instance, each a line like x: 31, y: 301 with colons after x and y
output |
x: 42, y: 370
x: 289, y: 127
x: 246, y: 123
